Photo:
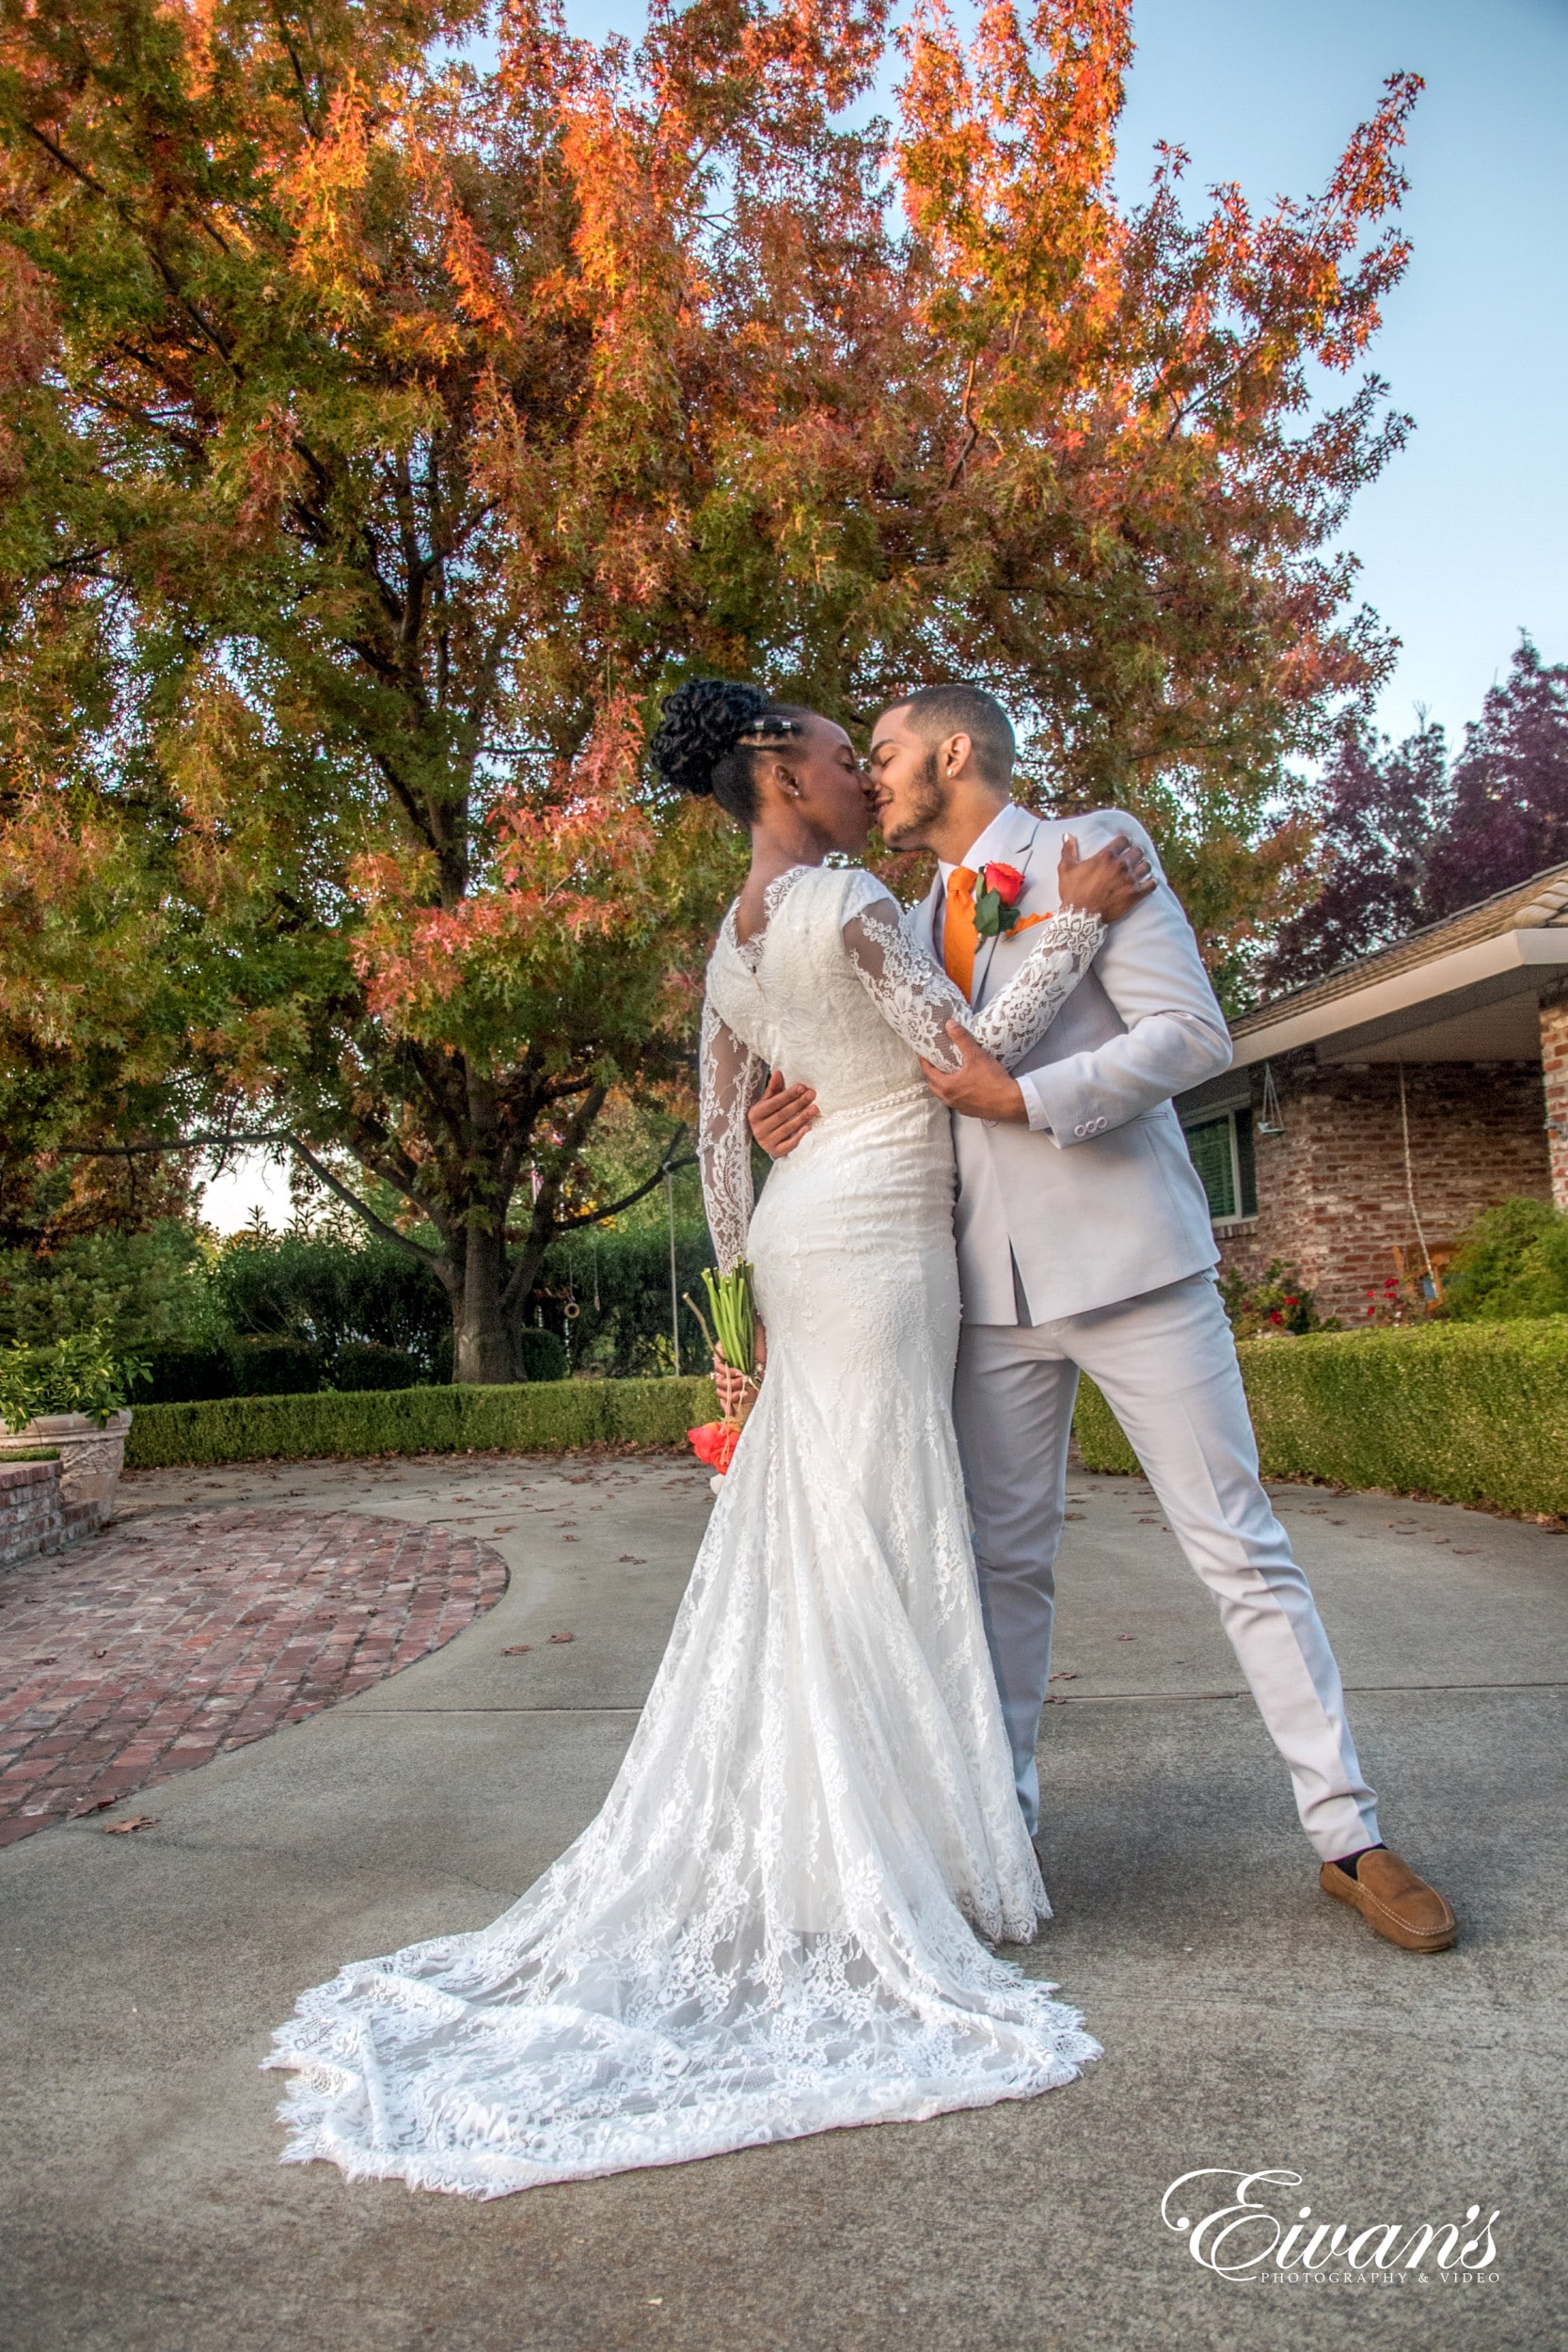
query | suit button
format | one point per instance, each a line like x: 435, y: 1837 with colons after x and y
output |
x: 1079, y: 1129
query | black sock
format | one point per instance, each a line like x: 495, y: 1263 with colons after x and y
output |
x: 1348, y: 1862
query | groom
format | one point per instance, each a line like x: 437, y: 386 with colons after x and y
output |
x: 1084, y: 1244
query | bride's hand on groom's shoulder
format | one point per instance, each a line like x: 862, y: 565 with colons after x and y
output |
x: 781, y: 1115
x: 1110, y: 883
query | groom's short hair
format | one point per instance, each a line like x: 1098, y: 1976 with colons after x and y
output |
x: 939, y: 712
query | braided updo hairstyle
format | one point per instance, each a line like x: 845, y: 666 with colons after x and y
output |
x: 709, y: 735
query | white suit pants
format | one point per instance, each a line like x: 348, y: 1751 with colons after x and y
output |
x: 1166, y: 1365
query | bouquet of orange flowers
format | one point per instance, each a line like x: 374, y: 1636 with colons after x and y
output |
x: 715, y: 1443
x: 734, y: 1322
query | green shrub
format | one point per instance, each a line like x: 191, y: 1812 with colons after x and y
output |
x: 543, y: 1356
x: 604, y: 1297
x: 180, y: 1376
x: 1099, y: 1435
x: 327, y: 1293
x: 1472, y: 1412
x: 144, y: 1292
x: 81, y: 1374
x: 541, y: 1418
x: 262, y: 1366
x: 1513, y: 1261
x: 366, y: 1364
x: 626, y: 1334
x: 184, y: 1306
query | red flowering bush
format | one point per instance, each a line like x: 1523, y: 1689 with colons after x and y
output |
x: 1280, y: 1302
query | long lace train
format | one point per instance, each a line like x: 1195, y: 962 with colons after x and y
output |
x: 762, y: 1934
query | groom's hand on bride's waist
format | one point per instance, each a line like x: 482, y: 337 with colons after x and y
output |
x: 781, y: 1115
x: 981, y: 1087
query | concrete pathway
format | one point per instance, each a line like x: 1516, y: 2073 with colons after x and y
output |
x: 1247, y: 2021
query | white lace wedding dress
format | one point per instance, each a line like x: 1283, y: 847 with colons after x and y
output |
x: 773, y: 1925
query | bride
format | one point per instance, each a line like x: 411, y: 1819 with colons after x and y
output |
x: 779, y: 1922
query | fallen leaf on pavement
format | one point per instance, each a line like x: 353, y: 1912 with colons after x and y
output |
x: 1066, y: 1677
x: 135, y: 1820
x: 635, y: 1558
x: 1125, y: 1637
x: 562, y: 1637
x: 94, y: 1805
x: 516, y: 1649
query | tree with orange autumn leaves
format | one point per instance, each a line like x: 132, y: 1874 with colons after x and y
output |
x: 390, y: 415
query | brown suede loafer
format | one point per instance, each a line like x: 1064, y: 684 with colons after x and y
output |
x: 1393, y: 1901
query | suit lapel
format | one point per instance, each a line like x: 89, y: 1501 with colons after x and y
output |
x: 1020, y: 837
x: 926, y: 917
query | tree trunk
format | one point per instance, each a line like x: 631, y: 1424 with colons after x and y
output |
x: 483, y: 1350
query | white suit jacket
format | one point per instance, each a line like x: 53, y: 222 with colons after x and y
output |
x: 1097, y: 1199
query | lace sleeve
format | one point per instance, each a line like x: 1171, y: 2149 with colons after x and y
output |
x: 916, y: 997
x: 731, y: 1078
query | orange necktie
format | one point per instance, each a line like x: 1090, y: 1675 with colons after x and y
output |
x: 959, y: 938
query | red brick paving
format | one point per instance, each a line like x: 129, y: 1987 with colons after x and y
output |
x: 167, y: 1641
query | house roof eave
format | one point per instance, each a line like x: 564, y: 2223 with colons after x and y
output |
x: 1509, y: 962
x: 1540, y: 902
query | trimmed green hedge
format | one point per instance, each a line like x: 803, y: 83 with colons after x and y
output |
x: 1475, y: 1412
x: 543, y: 1417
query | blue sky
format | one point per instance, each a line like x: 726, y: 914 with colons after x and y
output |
x: 1464, y: 540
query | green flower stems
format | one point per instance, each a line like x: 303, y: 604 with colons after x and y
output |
x: 734, y: 1316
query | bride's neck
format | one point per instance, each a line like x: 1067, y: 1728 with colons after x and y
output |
x: 776, y: 848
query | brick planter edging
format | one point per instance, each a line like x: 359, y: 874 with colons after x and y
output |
x: 33, y: 1517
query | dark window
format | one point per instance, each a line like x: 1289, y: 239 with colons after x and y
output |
x: 1247, y: 1163
x: 1212, y: 1145
x: 1223, y: 1155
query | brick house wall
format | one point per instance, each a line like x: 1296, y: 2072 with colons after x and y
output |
x: 1554, y: 1066
x: 1331, y: 1189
